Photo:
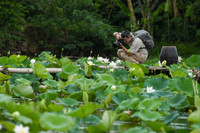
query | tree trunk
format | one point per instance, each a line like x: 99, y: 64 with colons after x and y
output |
x: 133, y: 18
x: 176, y: 14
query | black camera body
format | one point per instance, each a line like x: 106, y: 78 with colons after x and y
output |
x: 117, y: 42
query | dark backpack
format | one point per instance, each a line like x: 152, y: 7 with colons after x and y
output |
x: 146, y: 38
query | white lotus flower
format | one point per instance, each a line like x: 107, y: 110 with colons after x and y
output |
x: 90, y: 58
x: 32, y: 61
x: 18, y: 56
x: 21, y: 129
x: 118, y: 61
x: 100, y: 59
x: 90, y: 63
x: 179, y: 59
x: 1, y: 126
x: 106, y: 60
x: 112, y: 64
x: 113, y: 87
x: 150, y: 89
x: 160, y: 65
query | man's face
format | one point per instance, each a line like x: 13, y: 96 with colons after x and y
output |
x: 125, y: 40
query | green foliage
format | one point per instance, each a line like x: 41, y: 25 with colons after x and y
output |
x: 12, y: 20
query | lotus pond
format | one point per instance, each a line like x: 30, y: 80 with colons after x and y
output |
x: 84, y: 97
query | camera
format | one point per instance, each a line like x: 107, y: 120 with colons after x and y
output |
x: 117, y: 42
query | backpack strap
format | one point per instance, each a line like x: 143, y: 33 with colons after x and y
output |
x: 133, y: 39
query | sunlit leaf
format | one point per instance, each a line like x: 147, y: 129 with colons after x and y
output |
x: 106, y: 77
x: 159, y: 127
x: 129, y: 104
x: 137, y: 130
x: 24, y: 90
x: 40, y: 71
x: 4, y: 76
x: 194, y: 117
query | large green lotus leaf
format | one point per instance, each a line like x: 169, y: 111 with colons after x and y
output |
x: 176, y: 71
x: 68, y: 101
x: 106, y: 77
x: 88, y: 70
x: 85, y: 110
x: 137, y: 130
x: 169, y: 118
x: 23, y: 119
x: 24, y: 90
x: 4, y: 76
x: 106, y: 123
x: 129, y: 103
x: 48, y: 96
x: 55, y: 108
x: 164, y: 106
x: 23, y: 81
x: 176, y: 100
x: 194, y: 117
x: 159, y: 127
x: 8, y: 125
x: 193, y: 61
x: 101, y: 85
x: 4, y: 60
x: 5, y: 98
x: 182, y: 84
x: 57, y: 122
x: 137, y: 70
x: 118, y: 98
x: 72, y: 78
x: 64, y: 61
x: 148, y: 115
x: 177, y: 74
x: 120, y: 74
x: 19, y: 58
x: 164, y: 93
x: 80, y: 82
x: 51, y: 83
x: 40, y: 71
x: 149, y: 103
x: 157, y: 83
x: 77, y: 95
x: 67, y: 70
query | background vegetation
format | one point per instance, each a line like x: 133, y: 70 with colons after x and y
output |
x: 76, y: 27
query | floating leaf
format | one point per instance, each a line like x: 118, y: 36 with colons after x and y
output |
x: 159, y: 127
x: 54, y: 121
x: 148, y: 115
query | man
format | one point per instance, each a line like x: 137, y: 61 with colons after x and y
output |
x: 137, y: 52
